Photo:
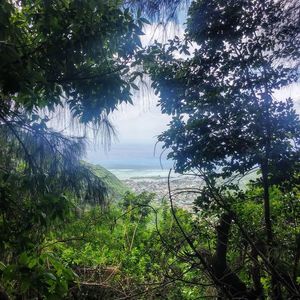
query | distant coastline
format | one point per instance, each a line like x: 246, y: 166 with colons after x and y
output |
x: 123, y: 157
x: 141, y: 173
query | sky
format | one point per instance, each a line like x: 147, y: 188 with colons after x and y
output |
x: 137, y: 128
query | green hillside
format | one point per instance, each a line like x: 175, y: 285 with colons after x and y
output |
x: 116, y: 188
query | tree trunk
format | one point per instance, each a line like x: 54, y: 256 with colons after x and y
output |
x: 256, y: 275
x: 275, y: 283
x: 267, y: 101
x: 227, y: 279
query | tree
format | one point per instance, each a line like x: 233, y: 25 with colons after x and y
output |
x: 73, y: 54
x: 227, y: 122
x: 73, y: 50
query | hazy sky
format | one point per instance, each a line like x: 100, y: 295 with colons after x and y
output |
x: 137, y: 129
x: 143, y: 121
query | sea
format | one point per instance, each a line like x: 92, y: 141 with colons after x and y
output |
x: 125, y: 174
x: 133, y: 161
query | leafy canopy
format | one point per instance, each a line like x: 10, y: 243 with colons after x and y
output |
x: 227, y: 122
x: 221, y: 97
x: 72, y: 53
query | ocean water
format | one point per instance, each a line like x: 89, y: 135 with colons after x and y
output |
x: 140, y: 173
x: 133, y: 161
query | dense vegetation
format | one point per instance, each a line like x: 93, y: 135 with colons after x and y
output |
x: 115, y: 187
x: 227, y: 123
x: 70, y: 230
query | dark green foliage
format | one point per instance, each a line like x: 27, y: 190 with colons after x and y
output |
x: 73, y: 54
x: 218, y: 84
x: 43, y: 275
x: 221, y: 97
x: 125, y: 246
x: 41, y: 180
x: 226, y: 123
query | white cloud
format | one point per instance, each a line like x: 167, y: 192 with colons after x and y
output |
x: 161, y: 33
x: 291, y: 91
x: 139, y: 123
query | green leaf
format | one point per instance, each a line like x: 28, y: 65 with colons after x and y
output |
x: 145, y: 21
x: 133, y: 85
x: 50, y: 276
x: 2, y: 266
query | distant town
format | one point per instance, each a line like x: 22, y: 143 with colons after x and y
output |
x: 183, y: 189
